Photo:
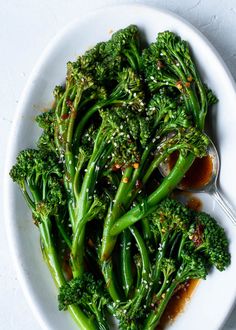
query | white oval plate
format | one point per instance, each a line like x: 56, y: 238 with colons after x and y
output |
x: 214, y: 297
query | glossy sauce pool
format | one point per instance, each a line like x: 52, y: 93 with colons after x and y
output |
x: 177, y: 303
x: 198, y: 175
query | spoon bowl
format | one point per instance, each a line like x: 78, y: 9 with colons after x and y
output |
x: 211, y: 185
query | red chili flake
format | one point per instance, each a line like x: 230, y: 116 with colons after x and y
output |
x: 187, y: 84
x: 69, y: 103
x: 116, y: 167
x: 179, y: 84
x: 197, y: 236
x: 65, y: 116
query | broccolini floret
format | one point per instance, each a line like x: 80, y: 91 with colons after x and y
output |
x: 90, y: 294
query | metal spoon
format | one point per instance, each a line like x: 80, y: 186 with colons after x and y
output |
x: 211, y: 187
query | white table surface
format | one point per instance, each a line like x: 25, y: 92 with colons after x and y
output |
x: 26, y: 27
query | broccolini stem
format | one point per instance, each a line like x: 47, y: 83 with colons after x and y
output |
x: 77, y: 252
x: 81, y: 319
x: 147, y: 234
x: 143, y: 252
x: 110, y: 279
x: 155, y: 163
x: 126, y: 262
x: 61, y: 111
x: 108, y: 241
x: 77, y: 182
x: 164, y: 286
x: 62, y: 232
x: 154, y: 317
x: 167, y: 185
x: 73, y: 115
x: 64, y: 107
x: 83, y: 122
x: 70, y: 171
x: 28, y: 200
x: 131, y: 60
x: 136, y: 53
x: 143, y: 162
x: 49, y: 252
x: 73, y: 93
x: 51, y: 258
x: 183, y: 239
x: 83, y: 203
x: 202, y: 110
x: 195, y: 107
x: 69, y: 157
x: 160, y: 255
x: 144, y: 287
x: 204, y: 103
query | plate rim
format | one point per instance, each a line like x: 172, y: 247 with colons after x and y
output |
x: 10, y: 155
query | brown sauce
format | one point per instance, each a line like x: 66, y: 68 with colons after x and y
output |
x: 188, y: 199
x: 194, y: 203
x: 199, y: 173
x: 177, y: 303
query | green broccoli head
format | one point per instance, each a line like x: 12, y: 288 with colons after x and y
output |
x: 126, y: 324
x: 33, y: 165
x: 193, y: 266
x: 175, y: 51
x: 90, y: 294
x: 194, y: 141
x: 123, y: 39
x: 54, y: 198
x: 106, y: 59
x: 168, y: 114
x: 168, y: 267
x: 129, y: 134
x: 210, y: 238
x: 170, y: 215
x: 168, y: 63
x: 88, y: 139
x: 211, y: 97
x: 46, y: 121
x: 23, y: 169
x: 185, y: 141
x: 75, y: 76
x: 39, y: 175
x: 126, y: 44
x: 129, y: 91
x: 58, y: 93
x: 200, y: 233
x: 157, y: 74
x: 161, y: 106
x: 123, y: 311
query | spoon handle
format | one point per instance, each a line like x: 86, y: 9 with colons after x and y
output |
x: 224, y: 204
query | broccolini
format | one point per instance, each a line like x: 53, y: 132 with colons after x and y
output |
x: 114, y: 241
